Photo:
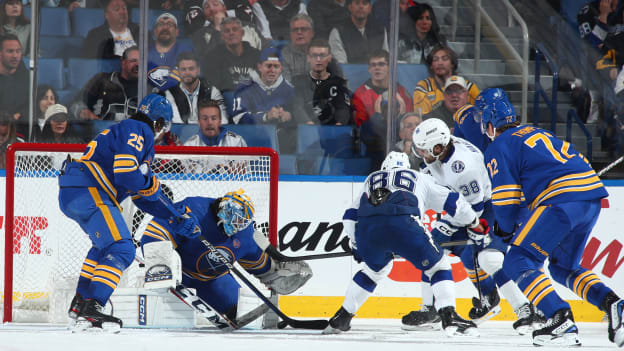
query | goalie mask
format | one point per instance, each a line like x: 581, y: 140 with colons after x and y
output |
x: 236, y: 212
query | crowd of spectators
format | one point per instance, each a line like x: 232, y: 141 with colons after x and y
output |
x: 277, y: 62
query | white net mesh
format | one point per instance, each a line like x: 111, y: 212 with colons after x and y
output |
x: 49, y: 248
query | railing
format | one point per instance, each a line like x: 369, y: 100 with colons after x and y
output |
x: 524, y: 59
x: 540, y: 52
x: 573, y: 116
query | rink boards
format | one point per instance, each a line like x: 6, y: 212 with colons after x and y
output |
x: 309, y: 222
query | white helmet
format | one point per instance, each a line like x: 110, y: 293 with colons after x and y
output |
x: 428, y: 134
x: 395, y: 159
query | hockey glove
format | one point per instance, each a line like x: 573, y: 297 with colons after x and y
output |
x: 444, y: 227
x: 480, y: 237
x: 186, y: 225
x: 503, y: 234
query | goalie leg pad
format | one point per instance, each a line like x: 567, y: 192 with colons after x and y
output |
x: 286, y: 277
x: 164, y: 266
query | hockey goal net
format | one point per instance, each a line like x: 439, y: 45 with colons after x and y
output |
x: 44, y: 250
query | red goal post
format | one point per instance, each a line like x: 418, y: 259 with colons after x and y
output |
x: 43, y: 249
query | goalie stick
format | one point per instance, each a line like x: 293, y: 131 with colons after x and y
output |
x: 205, y: 310
x: 295, y: 323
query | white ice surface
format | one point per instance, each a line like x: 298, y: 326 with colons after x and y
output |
x: 377, y: 335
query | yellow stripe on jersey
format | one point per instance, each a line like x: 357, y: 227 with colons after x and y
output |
x: 102, y: 179
x: 508, y: 194
x: 152, y: 189
x: 529, y: 225
x: 159, y: 232
x: 253, y: 265
x: 108, y: 217
x: 576, y: 182
x: 458, y: 113
x: 203, y: 277
x: 125, y: 163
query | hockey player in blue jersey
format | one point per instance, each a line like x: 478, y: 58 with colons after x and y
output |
x: 468, y: 125
x: 457, y: 164
x: 227, y: 223
x: 115, y: 165
x: 386, y: 220
x: 529, y: 166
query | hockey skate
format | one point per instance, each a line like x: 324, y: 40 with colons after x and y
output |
x: 426, y: 318
x: 74, y: 308
x: 614, y: 307
x: 485, y: 309
x: 91, y: 318
x: 528, y: 319
x: 559, y: 330
x: 340, y: 322
x: 453, y: 324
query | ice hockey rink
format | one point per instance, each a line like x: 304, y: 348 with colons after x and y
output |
x: 366, y: 334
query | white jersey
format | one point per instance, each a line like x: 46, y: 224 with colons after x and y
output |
x: 430, y: 195
x: 464, y: 172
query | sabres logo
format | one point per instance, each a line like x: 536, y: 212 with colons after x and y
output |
x: 236, y: 243
x: 457, y: 166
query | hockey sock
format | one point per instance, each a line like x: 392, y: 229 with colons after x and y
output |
x: 106, y: 275
x: 86, y: 271
x: 443, y: 289
x: 360, y: 288
x: 538, y: 289
x: 426, y: 291
x: 512, y: 293
x: 583, y: 282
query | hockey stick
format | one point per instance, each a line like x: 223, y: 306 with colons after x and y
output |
x: 456, y: 243
x: 303, y: 324
x: 475, y: 262
x: 205, y: 310
x: 609, y: 166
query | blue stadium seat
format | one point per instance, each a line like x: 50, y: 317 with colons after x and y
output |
x: 66, y: 96
x: 50, y: 71
x: 99, y: 126
x: 63, y: 47
x: 337, y: 166
x: 79, y: 70
x: 408, y: 75
x: 317, y: 140
x: 184, y: 131
x: 259, y: 135
x: 55, y: 21
x: 288, y: 164
x: 85, y: 19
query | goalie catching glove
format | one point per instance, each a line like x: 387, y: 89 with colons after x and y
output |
x: 286, y: 277
x: 480, y: 234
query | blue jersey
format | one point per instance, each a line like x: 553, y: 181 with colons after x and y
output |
x: 118, y: 161
x: 529, y: 166
x: 468, y: 127
x: 252, y: 100
x: 197, y: 262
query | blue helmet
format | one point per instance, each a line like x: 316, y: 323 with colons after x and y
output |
x: 494, y: 107
x: 156, y: 107
x: 236, y: 212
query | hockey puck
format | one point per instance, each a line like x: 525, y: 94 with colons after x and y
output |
x: 282, y: 324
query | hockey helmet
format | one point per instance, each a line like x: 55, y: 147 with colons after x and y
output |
x: 428, y: 134
x: 395, y: 159
x: 236, y: 211
x: 158, y: 109
x: 494, y: 107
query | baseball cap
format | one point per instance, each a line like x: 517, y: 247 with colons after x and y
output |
x: 456, y: 80
x: 270, y: 54
x: 56, y: 109
x: 167, y: 15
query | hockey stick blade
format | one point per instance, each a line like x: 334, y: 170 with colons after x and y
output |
x: 204, y: 309
x: 300, y: 324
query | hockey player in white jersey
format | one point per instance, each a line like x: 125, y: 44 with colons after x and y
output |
x: 386, y: 219
x: 456, y: 163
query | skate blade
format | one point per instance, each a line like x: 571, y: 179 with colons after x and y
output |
x: 524, y: 329
x: 84, y: 326
x: 453, y: 331
x: 422, y: 327
x: 567, y: 339
x: 619, y: 337
x: 80, y: 326
x: 329, y: 330
x: 491, y: 314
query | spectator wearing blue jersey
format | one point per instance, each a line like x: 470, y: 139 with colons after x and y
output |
x: 267, y: 99
x: 163, y: 54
